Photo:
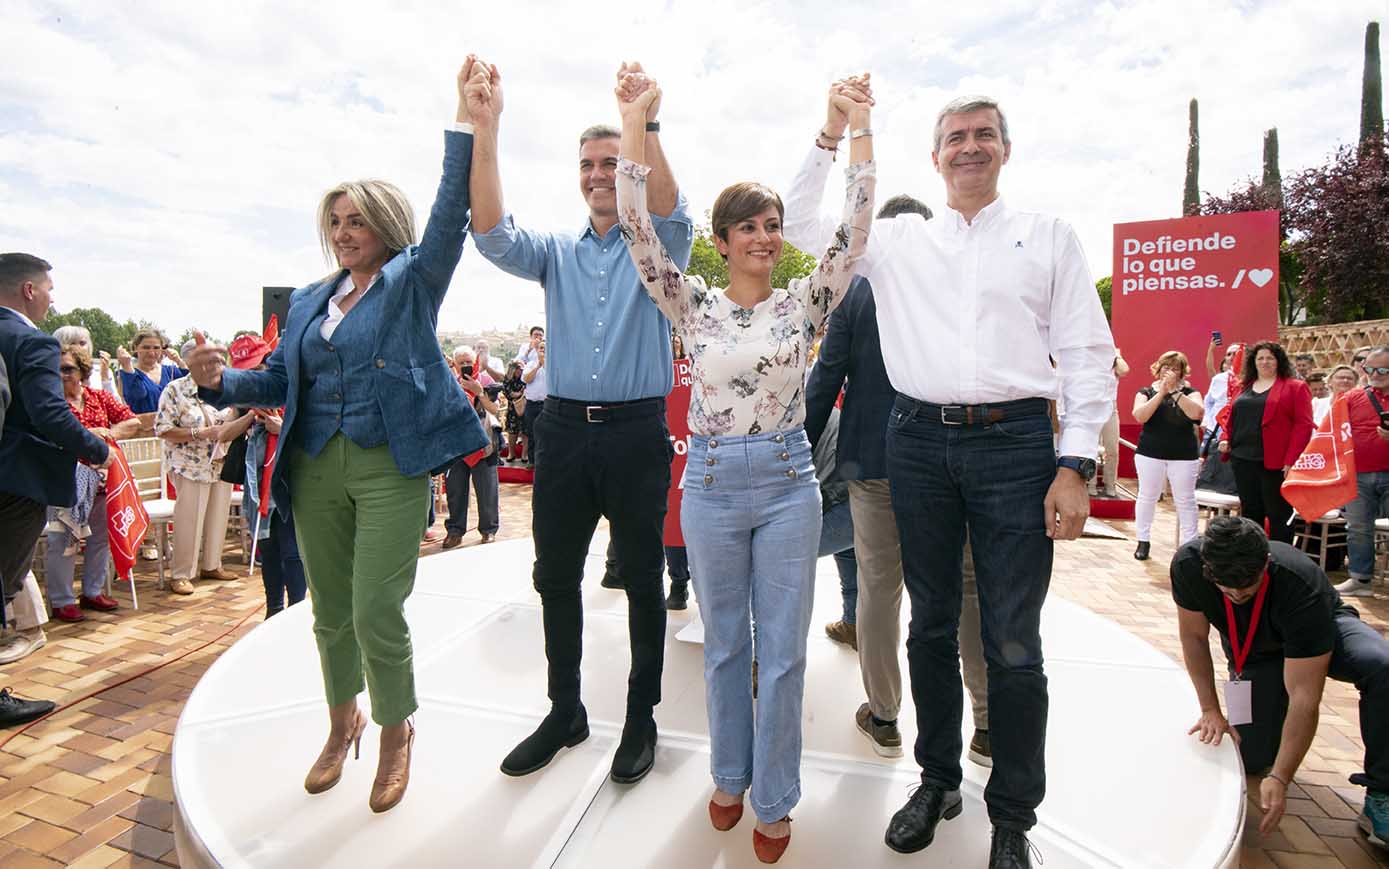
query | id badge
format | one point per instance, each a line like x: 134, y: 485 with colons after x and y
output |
x: 1239, y: 702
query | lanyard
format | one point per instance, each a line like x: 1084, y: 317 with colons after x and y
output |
x: 1242, y: 654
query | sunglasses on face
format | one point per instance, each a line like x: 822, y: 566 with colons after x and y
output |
x: 68, y: 369
x: 1379, y: 370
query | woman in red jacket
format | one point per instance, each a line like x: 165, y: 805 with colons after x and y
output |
x: 1270, y: 424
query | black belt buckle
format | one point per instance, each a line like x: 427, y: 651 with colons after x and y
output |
x: 588, y: 413
x: 944, y: 414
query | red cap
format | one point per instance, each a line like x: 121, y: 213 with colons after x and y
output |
x: 248, y: 351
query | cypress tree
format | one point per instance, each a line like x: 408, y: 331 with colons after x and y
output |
x: 1191, y: 195
x: 1371, y: 90
x: 1273, y: 178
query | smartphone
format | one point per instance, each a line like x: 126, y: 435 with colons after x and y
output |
x: 1215, y: 336
x: 467, y: 370
x: 1384, y: 419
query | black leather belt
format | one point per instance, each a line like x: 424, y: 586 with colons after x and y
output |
x: 974, y: 414
x: 609, y: 411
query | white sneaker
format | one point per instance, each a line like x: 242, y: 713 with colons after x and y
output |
x: 1356, y: 588
x: 19, y: 644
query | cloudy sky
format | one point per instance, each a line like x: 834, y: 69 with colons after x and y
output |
x: 168, y: 157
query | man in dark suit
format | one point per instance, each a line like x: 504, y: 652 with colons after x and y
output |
x: 42, y: 438
x: 851, y: 351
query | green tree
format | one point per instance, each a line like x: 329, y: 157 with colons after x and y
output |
x: 1372, y: 92
x: 706, y: 262
x: 107, y: 333
x: 1105, y: 287
x: 1191, y: 194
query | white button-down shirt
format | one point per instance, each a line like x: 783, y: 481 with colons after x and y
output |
x: 335, y: 315
x: 974, y: 313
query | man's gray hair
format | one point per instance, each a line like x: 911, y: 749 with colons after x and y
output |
x: 599, y: 131
x: 965, y: 105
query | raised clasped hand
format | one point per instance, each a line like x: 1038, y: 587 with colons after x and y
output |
x: 848, y: 96
x: 639, y: 83
x: 480, y: 89
x: 637, y: 94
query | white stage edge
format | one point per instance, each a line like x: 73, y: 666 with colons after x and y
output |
x: 1126, y: 786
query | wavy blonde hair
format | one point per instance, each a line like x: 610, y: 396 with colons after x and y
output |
x: 382, y: 205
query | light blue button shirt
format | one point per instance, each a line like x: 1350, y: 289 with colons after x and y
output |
x: 605, y: 340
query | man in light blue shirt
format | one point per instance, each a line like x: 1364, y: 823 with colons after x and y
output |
x: 603, y: 446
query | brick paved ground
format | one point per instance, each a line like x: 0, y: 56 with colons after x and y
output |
x: 90, y: 786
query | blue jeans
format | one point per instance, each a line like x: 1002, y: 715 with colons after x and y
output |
x: 482, y: 478
x: 1371, y: 502
x: 282, y: 568
x: 59, y: 568
x: 991, y: 481
x: 837, y: 539
x: 751, y: 519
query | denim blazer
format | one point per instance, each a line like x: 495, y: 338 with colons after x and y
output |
x: 429, y: 421
x: 851, y: 350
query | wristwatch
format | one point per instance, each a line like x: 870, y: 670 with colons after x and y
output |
x: 1084, y: 467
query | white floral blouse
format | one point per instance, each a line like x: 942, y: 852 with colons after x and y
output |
x: 748, y: 364
x: 180, y: 407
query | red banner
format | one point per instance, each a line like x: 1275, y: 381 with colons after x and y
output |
x: 678, y: 420
x: 1323, y: 478
x: 1177, y: 281
x: 126, y: 519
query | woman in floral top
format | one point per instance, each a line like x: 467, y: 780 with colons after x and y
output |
x: 107, y: 417
x: 191, y: 431
x: 751, y: 508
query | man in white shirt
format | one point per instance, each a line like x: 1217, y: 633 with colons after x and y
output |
x: 532, y: 361
x: 973, y: 307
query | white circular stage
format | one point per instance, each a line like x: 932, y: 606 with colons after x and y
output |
x: 1126, y: 786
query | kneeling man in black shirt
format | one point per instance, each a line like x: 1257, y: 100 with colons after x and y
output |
x: 1284, y: 630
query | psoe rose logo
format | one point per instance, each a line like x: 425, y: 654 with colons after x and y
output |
x: 123, y: 519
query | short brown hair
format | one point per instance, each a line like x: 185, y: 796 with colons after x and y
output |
x: 1171, y: 359
x: 741, y: 201
x: 141, y: 335
x: 16, y: 268
x: 81, y: 358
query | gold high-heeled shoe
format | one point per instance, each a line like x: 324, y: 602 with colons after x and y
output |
x: 327, y: 770
x: 392, y: 776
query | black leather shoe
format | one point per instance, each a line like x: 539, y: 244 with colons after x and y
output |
x: 612, y: 581
x: 1141, y: 553
x: 560, y: 729
x: 914, y: 825
x: 636, y: 753
x: 14, y: 711
x: 1010, y: 850
x: 679, y: 597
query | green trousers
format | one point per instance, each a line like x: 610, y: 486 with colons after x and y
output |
x: 359, y: 521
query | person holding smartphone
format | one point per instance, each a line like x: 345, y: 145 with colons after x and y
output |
x: 1169, y: 410
x: 1368, y: 409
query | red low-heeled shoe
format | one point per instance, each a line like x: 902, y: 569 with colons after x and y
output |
x: 767, y: 849
x: 725, y: 817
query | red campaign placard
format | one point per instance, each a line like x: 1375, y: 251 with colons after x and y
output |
x: 678, y: 420
x: 1177, y: 281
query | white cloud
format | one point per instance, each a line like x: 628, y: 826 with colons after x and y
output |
x: 167, y: 157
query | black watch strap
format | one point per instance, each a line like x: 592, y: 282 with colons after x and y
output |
x: 653, y: 126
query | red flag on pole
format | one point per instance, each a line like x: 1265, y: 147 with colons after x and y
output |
x: 1323, y: 478
x: 272, y: 331
x: 268, y: 468
x: 126, y: 519
x: 1233, y: 387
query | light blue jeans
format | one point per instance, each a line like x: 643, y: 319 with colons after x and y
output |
x: 1371, y: 502
x: 751, y: 519
x: 59, y: 568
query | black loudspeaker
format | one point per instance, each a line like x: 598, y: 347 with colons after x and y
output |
x: 274, y: 301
